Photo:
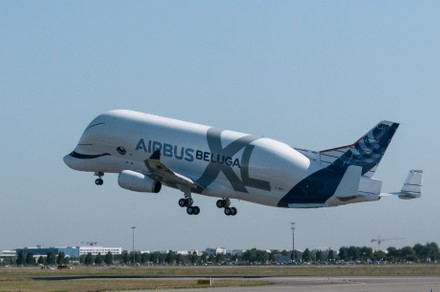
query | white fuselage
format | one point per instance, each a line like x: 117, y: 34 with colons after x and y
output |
x: 227, y: 164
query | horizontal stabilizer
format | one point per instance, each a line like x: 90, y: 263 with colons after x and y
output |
x: 412, y: 188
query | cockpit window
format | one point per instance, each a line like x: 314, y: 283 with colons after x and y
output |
x: 94, y: 125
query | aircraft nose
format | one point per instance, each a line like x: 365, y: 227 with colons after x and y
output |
x: 68, y: 160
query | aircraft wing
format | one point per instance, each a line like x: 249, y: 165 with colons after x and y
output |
x: 162, y: 173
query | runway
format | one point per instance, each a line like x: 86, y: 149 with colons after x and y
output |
x: 338, y: 284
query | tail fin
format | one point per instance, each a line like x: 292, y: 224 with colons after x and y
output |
x: 412, y: 188
x: 365, y: 152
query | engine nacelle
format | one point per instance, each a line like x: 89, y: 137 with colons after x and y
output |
x: 138, y: 182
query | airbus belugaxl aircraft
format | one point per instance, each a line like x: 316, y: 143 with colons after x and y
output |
x: 148, y: 151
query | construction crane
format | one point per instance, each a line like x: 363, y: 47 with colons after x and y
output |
x: 379, y: 240
x: 91, y: 243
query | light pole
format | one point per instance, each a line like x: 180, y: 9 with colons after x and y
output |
x: 293, y: 240
x: 134, y: 258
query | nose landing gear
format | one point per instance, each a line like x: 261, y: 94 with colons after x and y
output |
x: 99, y: 181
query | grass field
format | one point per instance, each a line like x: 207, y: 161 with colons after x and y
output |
x: 135, y: 278
x: 27, y: 284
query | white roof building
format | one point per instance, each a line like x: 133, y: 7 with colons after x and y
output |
x: 214, y: 251
x: 95, y: 250
x: 7, y: 253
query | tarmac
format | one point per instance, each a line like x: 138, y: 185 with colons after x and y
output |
x: 338, y: 284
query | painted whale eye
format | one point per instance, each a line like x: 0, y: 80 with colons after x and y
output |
x: 121, y: 150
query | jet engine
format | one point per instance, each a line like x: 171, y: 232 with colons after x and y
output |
x: 138, y: 182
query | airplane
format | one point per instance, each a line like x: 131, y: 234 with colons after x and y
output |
x: 148, y: 151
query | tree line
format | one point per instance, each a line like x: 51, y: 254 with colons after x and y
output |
x: 28, y: 259
x: 428, y: 253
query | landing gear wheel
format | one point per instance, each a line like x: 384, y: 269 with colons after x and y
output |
x: 190, y: 210
x: 228, y: 211
x: 196, y: 210
x: 193, y: 210
x: 187, y: 202
x: 233, y: 211
x: 183, y: 202
x: 99, y: 180
x: 219, y: 204
x: 223, y: 203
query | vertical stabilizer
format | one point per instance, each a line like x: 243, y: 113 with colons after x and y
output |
x: 365, y: 152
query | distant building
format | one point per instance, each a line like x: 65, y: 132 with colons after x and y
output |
x: 189, y: 252
x: 95, y: 250
x: 69, y: 251
x: 181, y: 252
x: 214, y: 251
x: 6, y: 253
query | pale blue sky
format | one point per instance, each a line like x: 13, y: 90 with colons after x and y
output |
x: 314, y: 74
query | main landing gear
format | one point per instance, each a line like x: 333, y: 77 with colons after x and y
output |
x: 195, y: 210
x: 225, y: 203
x: 187, y: 202
x: 99, y: 181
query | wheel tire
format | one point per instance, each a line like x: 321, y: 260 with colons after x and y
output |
x: 219, y: 204
x: 228, y: 211
x: 99, y: 182
x: 233, y: 211
x: 190, y: 210
x: 183, y: 203
x: 226, y: 203
x: 196, y: 210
